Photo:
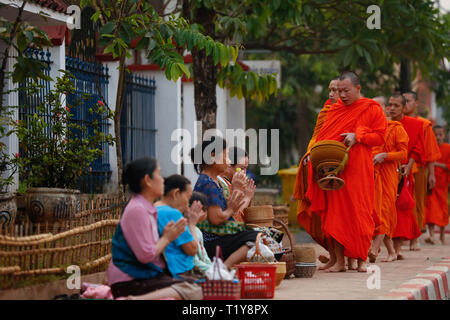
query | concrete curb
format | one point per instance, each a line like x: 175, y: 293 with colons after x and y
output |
x: 431, y: 284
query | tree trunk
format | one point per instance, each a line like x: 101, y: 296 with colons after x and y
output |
x: 117, y: 114
x: 205, y: 79
x: 205, y: 74
x: 405, y: 75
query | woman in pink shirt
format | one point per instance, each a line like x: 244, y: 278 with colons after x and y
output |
x: 137, y: 269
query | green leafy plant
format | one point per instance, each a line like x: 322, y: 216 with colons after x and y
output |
x: 55, y: 150
x: 7, y: 167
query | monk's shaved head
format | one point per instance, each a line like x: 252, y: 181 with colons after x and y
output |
x: 412, y: 93
x: 352, y: 76
x: 399, y: 96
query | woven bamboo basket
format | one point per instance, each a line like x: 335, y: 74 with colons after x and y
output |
x: 305, y: 270
x: 305, y: 254
x: 281, y: 213
x: 259, y: 215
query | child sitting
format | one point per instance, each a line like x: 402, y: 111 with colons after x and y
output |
x: 201, y: 259
x: 180, y: 253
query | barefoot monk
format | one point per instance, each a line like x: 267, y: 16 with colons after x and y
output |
x: 347, y: 214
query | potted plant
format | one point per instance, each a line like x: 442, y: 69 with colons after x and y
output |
x: 8, y: 207
x: 56, y: 151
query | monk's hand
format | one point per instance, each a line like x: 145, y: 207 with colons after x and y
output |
x: 173, y: 229
x: 379, y: 158
x: 431, y: 181
x: 350, y: 138
x: 405, y: 170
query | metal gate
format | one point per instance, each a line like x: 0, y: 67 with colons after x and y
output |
x: 137, y: 122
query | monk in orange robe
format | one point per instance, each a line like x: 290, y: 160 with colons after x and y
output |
x: 425, y: 172
x: 347, y: 214
x: 308, y: 220
x: 407, y: 227
x: 436, y: 208
x: 387, y: 160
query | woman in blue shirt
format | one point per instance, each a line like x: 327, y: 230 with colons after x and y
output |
x: 220, y: 211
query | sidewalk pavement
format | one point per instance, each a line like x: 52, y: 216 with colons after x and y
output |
x: 405, y: 279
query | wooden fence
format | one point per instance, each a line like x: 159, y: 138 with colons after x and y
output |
x: 42, y: 252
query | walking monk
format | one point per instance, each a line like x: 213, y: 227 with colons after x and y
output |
x: 436, y: 208
x: 425, y: 172
x: 308, y: 220
x: 386, y: 159
x: 406, y: 222
x: 347, y: 214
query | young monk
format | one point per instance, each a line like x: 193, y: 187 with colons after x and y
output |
x: 436, y: 209
x: 407, y: 227
x: 425, y: 172
x: 382, y: 101
x: 386, y: 159
x: 347, y: 214
x: 308, y: 220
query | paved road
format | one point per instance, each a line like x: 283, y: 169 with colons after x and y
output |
x: 352, y: 285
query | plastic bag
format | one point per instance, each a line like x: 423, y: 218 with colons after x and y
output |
x: 263, y: 256
x: 219, y: 271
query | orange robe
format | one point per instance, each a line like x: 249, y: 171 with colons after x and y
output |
x: 431, y: 154
x: 347, y: 215
x: 308, y: 220
x: 407, y: 227
x: 386, y: 176
x: 436, y: 209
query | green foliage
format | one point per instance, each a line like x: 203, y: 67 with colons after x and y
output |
x: 57, y: 150
x: 7, y: 167
x: 26, y: 36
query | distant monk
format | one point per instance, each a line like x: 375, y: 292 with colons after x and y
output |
x: 308, y: 220
x: 347, y: 215
x: 407, y: 228
x: 436, y: 209
x: 425, y: 172
x: 382, y: 101
x: 386, y: 159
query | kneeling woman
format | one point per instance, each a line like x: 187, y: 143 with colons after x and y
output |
x: 220, y: 227
x: 137, y: 269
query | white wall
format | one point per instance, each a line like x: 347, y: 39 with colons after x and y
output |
x: 112, y: 92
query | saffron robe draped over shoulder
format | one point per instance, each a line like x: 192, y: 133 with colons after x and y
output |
x: 347, y: 215
x: 436, y: 209
x: 431, y: 153
x: 407, y: 227
x: 309, y: 221
x: 386, y: 176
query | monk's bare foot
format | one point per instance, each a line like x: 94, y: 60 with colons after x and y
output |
x: 390, y: 258
x: 362, y: 266
x: 400, y: 257
x: 323, y: 259
x: 372, y: 257
x: 430, y: 241
x: 443, y: 241
x: 337, y: 268
x: 352, y: 264
x: 327, y: 265
x: 414, y: 246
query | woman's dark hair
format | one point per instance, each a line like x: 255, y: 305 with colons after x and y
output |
x: 197, y: 152
x: 175, y: 181
x: 198, y: 196
x: 237, y: 154
x: 136, y: 170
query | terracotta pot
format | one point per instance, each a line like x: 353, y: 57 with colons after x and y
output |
x: 51, y: 204
x: 8, y: 209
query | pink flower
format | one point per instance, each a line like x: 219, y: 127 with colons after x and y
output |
x: 67, y: 109
x: 100, y: 102
x: 17, y: 155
